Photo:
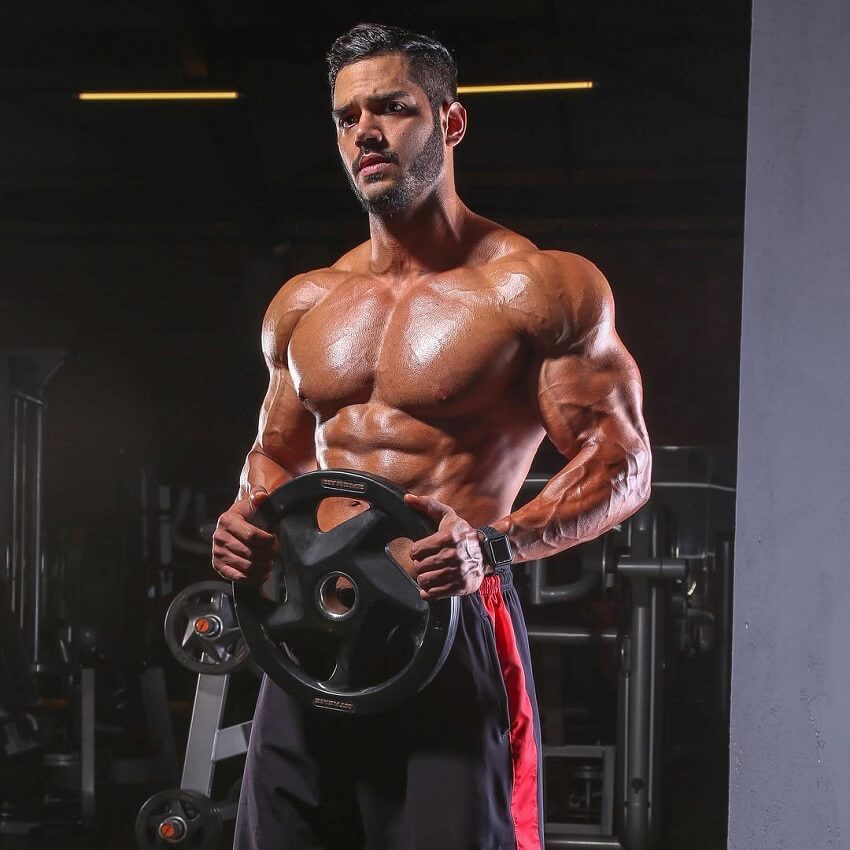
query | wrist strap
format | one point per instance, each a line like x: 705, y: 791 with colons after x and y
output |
x: 496, y: 547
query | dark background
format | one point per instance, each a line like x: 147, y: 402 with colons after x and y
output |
x: 147, y: 239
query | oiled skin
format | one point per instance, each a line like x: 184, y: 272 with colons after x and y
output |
x: 437, y: 354
x: 446, y: 384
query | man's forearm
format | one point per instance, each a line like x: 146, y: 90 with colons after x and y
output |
x: 261, y: 472
x: 594, y: 492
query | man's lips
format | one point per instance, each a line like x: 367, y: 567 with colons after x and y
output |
x: 370, y: 163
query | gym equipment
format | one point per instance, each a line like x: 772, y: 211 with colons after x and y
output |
x: 68, y: 756
x: 202, y: 631
x: 48, y: 687
x: 351, y: 632
x: 24, y: 376
x: 619, y: 804
x: 21, y: 729
x: 186, y: 816
x: 208, y: 744
x: 597, y: 556
x: 178, y: 818
x: 18, y: 687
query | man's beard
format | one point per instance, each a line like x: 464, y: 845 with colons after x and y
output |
x: 422, y: 173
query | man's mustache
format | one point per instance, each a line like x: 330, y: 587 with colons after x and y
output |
x: 386, y: 155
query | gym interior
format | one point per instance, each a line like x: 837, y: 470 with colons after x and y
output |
x: 142, y: 241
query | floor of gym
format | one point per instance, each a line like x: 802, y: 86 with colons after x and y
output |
x: 699, y: 825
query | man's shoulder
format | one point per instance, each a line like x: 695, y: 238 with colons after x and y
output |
x: 504, y: 250
x: 294, y: 298
x: 556, y: 295
x: 556, y: 268
x: 547, y: 274
x: 305, y: 289
x: 301, y: 293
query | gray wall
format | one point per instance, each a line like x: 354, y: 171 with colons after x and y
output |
x: 790, y: 747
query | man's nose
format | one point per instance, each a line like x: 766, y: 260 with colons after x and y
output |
x: 369, y: 133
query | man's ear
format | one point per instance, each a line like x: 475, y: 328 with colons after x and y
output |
x: 455, y: 119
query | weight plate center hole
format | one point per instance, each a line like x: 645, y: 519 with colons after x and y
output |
x: 173, y: 830
x: 208, y: 626
x: 337, y: 595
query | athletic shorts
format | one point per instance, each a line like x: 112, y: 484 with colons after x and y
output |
x: 456, y: 767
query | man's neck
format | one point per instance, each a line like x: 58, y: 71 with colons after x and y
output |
x: 425, y: 239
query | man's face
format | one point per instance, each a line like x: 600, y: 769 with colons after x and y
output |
x: 391, y: 147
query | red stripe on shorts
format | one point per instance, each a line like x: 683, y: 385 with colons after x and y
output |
x: 524, y: 809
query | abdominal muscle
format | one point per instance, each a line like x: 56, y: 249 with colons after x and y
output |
x: 476, y: 465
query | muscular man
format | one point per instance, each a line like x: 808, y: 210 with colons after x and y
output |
x: 437, y: 354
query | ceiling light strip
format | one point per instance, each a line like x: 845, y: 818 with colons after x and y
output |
x: 506, y: 88
x: 158, y: 95
x: 524, y: 87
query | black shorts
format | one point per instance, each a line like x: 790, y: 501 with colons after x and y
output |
x: 457, y: 767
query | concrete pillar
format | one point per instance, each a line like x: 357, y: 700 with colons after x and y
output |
x: 790, y: 734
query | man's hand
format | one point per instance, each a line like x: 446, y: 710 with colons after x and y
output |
x: 241, y: 551
x: 450, y: 561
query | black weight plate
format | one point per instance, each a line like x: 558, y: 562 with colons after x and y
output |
x: 216, y: 654
x: 195, y: 818
x: 322, y: 657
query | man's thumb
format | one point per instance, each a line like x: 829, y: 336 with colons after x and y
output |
x: 257, y: 496
x: 428, y: 505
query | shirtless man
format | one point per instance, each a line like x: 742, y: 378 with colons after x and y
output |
x: 436, y: 354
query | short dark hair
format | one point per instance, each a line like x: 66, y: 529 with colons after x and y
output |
x: 431, y: 64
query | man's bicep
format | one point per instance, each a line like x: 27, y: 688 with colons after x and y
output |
x: 592, y: 395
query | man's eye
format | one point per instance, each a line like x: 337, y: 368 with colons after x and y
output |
x: 395, y: 107
x: 346, y: 121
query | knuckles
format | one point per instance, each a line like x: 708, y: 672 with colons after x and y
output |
x: 230, y: 538
x: 228, y: 529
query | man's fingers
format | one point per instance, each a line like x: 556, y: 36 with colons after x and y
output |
x: 241, y: 551
x: 431, y: 545
x: 225, y: 542
x: 441, y: 592
x: 232, y: 574
x: 428, y: 505
x: 239, y: 526
x: 234, y: 568
x: 441, y: 558
x: 437, y: 578
x: 225, y: 558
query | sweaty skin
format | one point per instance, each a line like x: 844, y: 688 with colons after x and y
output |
x: 438, y: 354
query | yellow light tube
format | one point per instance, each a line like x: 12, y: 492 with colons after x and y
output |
x: 522, y: 87
x: 158, y: 95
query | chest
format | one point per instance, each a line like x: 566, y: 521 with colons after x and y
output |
x: 434, y: 349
